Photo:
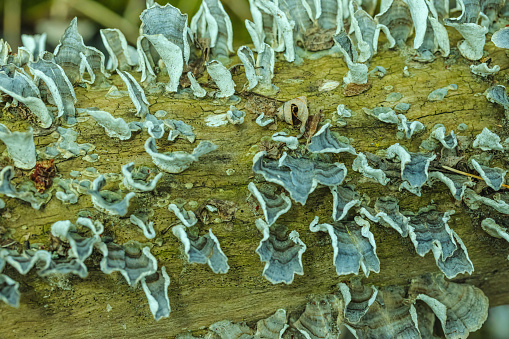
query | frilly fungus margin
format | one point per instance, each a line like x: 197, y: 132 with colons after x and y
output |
x: 92, y: 64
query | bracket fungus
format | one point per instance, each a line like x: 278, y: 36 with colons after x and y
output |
x: 34, y: 43
x: 155, y: 127
x: 474, y: 201
x: 494, y: 177
x: 396, y: 16
x: 165, y: 29
x: 9, y: 291
x: 81, y: 247
x: 414, y: 167
x: 466, y: 24
x: 155, y: 287
x: 118, y: 50
x: 147, y: 228
x: 389, y: 316
x: 281, y: 252
x: 357, y: 72
x: 487, y: 140
x: 134, y: 179
x: 439, y: 94
x: 212, y: 22
x: 179, y: 129
x: 272, y: 327
x: 344, y: 198
x: 317, y: 319
x: 299, y: 176
x: 501, y: 38
x: 388, y: 115
x: 136, y: 93
x: 234, y: 116
x: 202, y: 249
x: 40, y: 91
x: 388, y: 214
x: 290, y: 141
x: 461, y: 308
x: 247, y: 57
x: 227, y: 329
x: 29, y: 258
x: 178, y: 161
x: 357, y: 298
x: 188, y: 218
x: 495, y: 230
x: 20, y: 86
x: 498, y: 95
x: 264, y: 69
x: 282, y: 29
x: 132, y: 260
x: 448, y: 141
x: 456, y: 183
x: 273, y: 206
x: 429, y: 226
x: 409, y: 127
x: 114, y: 127
x: 360, y: 164
x: 107, y: 201
x: 222, y: 77
x: 20, y: 146
x: 60, y: 87
x: 353, y: 244
x: 74, y: 57
x: 6, y: 187
x: 324, y: 141
x: 343, y: 112
x: 429, y: 231
x: 484, y: 70
x: 384, y: 114
x: 263, y: 121
x: 198, y: 91
x: 26, y: 260
x: 366, y: 31
x: 67, y: 146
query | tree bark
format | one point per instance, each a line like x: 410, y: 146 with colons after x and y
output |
x: 70, y: 306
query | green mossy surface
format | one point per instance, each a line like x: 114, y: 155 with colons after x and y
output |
x: 71, y: 306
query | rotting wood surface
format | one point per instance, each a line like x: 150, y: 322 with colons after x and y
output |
x: 72, y: 307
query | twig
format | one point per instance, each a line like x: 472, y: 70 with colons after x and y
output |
x: 467, y: 174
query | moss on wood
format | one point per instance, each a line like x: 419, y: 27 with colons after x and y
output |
x: 70, y: 306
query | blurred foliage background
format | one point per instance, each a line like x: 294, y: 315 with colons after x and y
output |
x: 53, y: 17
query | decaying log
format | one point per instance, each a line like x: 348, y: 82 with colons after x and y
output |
x: 104, y: 305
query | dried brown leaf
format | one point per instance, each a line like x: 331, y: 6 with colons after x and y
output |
x: 43, y: 174
x: 258, y: 104
x: 312, y: 125
x: 295, y: 111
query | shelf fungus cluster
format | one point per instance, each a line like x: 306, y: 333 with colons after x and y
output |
x: 369, y: 311
x: 307, y: 161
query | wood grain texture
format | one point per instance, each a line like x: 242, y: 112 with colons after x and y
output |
x: 74, y: 307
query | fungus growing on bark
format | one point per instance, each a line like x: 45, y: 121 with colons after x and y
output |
x: 282, y: 253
